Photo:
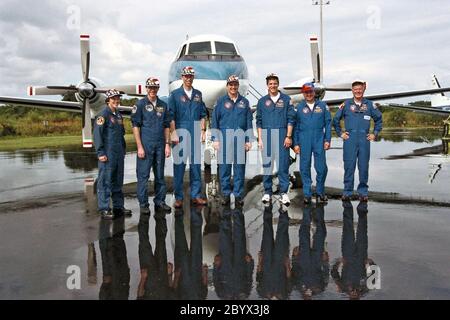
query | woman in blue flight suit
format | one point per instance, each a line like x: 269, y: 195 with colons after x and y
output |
x: 110, y: 145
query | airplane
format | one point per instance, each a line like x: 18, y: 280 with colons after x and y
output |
x: 214, y: 58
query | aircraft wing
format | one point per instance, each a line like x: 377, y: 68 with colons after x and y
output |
x: 420, y: 109
x: 393, y: 95
x: 43, y: 104
x: 125, y: 111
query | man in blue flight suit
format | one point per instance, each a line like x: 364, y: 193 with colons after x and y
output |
x: 151, y: 122
x: 233, y: 129
x: 188, y: 114
x: 357, y: 113
x: 275, y: 119
x: 110, y: 146
x: 312, y: 136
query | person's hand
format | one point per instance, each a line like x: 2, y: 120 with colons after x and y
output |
x: 168, y: 151
x: 203, y: 136
x: 297, y: 149
x: 260, y: 144
x: 103, y: 158
x: 216, y: 145
x: 287, y: 142
x: 248, y: 146
x: 327, y: 145
x: 371, y: 137
x: 141, y: 153
x: 174, y: 137
x: 345, y: 135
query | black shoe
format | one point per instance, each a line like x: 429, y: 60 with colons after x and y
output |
x: 226, y: 200
x: 127, y: 212
x: 163, y: 207
x: 239, y: 201
x: 322, y: 198
x: 179, y: 212
x: 123, y: 212
x: 106, y: 214
x: 307, y: 200
x: 144, y: 210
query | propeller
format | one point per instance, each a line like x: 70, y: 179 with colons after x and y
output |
x: 315, y: 59
x: 86, y: 92
x: 320, y: 89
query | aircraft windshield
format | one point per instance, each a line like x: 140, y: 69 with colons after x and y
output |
x: 224, y: 48
x: 200, y: 48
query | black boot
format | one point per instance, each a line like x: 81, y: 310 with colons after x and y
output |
x: 107, y: 214
x: 226, y: 201
x: 163, y: 207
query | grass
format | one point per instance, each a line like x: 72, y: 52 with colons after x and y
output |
x: 17, y: 143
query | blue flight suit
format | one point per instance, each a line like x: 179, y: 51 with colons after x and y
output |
x: 274, y: 119
x: 312, y: 130
x: 235, y: 118
x: 187, y: 113
x: 357, y: 147
x: 152, y: 120
x: 109, y: 141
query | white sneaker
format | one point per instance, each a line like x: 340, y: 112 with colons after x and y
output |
x: 266, y: 198
x: 285, y: 199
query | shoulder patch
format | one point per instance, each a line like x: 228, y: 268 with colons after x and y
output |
x: 134, y: 110
x: 342, y: 106
x: 100, y: 121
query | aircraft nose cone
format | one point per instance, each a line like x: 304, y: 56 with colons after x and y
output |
x: 86, y: 90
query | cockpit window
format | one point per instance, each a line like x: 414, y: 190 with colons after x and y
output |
x: 183, y: 51
x: 200, y: 48
x: 225, y: 48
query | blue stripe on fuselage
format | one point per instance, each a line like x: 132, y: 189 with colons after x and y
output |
x: 210, y: 70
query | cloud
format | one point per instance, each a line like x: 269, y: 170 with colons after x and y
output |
x: 134, y: 40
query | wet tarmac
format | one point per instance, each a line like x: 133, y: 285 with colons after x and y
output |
x: 385, y: 250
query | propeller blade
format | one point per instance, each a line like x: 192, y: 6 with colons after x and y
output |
x: 50, y: 90
x: 315, y: 59
x: 125, y: 89
x: 85, y: 56
x: 87, y: 125
x: 339, y: 87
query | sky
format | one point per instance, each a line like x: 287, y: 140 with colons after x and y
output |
x: 394, y: 45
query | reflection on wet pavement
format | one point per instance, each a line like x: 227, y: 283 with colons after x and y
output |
x: 312, y: 252
x: 337, y: 251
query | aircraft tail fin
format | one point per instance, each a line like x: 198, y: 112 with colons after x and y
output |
x: 438, y: 100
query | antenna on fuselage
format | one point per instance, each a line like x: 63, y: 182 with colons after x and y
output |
x: 187, y: 37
